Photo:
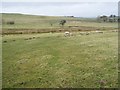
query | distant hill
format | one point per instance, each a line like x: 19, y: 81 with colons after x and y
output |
x: 38, y: 23
x: 18, y: 16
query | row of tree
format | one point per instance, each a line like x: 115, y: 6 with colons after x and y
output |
x: 111, y: 18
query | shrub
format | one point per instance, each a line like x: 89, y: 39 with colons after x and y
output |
x: 10, y: 22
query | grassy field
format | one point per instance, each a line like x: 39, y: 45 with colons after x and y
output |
x: 44, y: 22
x: 52, y: 60
x: 33, y: 58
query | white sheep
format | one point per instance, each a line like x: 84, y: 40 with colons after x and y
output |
x: 98, y: 31
x: 67, y: 33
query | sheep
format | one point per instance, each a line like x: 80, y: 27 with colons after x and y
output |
x: 98, y: 31
x: 67, y: 33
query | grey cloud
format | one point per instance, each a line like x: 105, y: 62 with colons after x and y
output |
x: 82, y: 9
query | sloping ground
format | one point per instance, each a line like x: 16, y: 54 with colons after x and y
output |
x: 42, y: 24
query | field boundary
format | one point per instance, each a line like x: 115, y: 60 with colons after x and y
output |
x: 52, y: 30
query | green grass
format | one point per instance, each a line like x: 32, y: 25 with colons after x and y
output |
x: 52, y: 60
x: 44, y: 22
x: 94, y: 24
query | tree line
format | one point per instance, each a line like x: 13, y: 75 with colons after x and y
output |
x: 111, y: 18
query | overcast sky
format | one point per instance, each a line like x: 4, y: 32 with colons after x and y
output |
x: 88, y: 8
x: 60, y: 0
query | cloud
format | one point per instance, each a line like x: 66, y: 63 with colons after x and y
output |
x: 82, y: 9
x: 60, y: 0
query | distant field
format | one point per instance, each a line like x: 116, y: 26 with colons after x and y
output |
x: 38, y: 24
x: 52, y: 60
x: 38, y: 55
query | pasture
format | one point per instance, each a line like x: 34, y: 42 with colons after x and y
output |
x: 36, y: 54
x: 40, y: 24
x: 51, y: 60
